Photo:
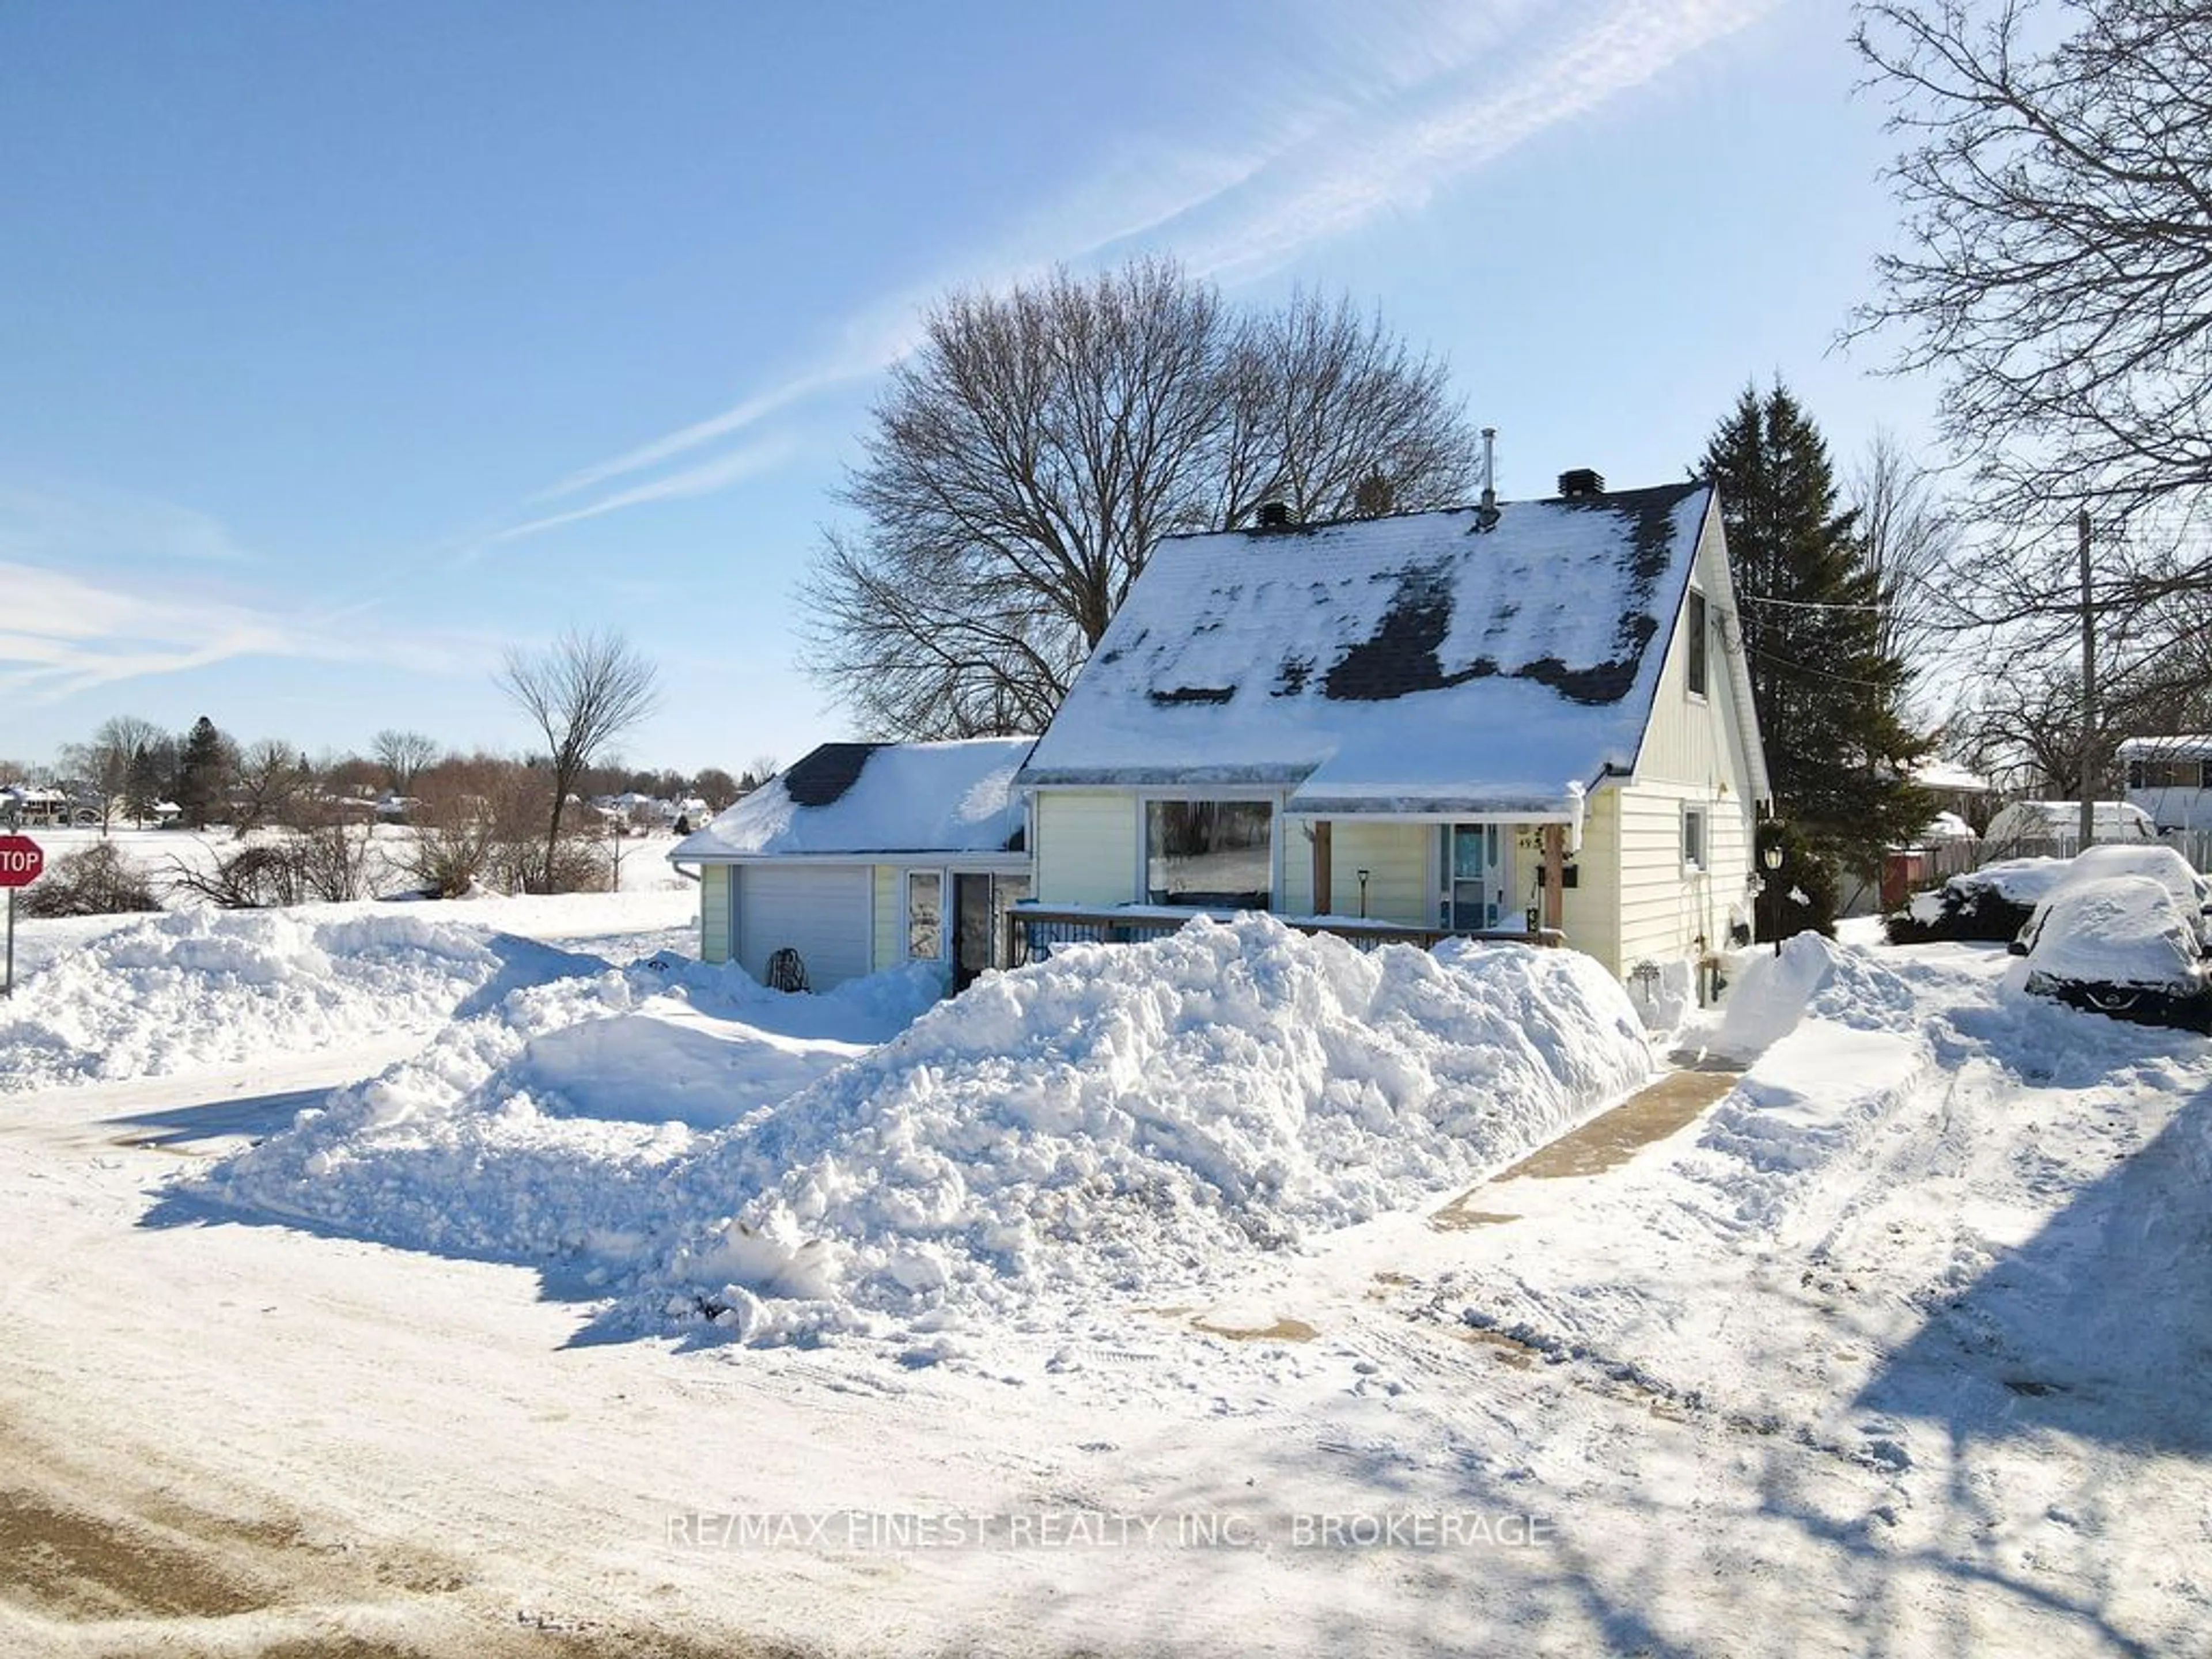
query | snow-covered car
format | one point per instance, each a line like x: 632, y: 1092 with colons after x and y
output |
x: 2190, y: 891
x: 1992, y: 903
x: 2121, y: 945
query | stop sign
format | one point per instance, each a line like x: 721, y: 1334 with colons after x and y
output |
x: 21, y: 860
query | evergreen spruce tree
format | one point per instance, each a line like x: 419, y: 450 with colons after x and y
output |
x: 1829, y: 697
x: 142, y: 785
x: 201, y: 773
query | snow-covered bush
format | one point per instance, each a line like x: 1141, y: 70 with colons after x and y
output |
x: 97, y: 882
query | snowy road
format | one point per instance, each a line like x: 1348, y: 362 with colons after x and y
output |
x: 1899, y: 1348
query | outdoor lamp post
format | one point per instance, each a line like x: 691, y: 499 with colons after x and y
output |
x: 1770, y: 860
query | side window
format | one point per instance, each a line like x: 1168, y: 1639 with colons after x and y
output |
x: 1693, y: 672
x: 924, y: 913
x: 1693, y: 838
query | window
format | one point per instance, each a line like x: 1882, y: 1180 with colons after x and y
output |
x: 1693, y: 837
x: 925, y: 913
x: 2167, y: 774
x: 1211, y: 852
x: 1693, y: 672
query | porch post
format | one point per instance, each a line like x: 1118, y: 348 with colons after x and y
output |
x: 1324, y: 893
x: 1555, y: 866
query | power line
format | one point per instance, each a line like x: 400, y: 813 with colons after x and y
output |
x: 1809, y: 604
x: 1819, y: 673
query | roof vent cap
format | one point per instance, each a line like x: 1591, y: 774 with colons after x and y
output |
x: 1581, y: 481
x: 1274, y: 515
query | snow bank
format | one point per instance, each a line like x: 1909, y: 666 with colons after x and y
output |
x: 1811, y: 975
x: 208, y: 987
x: 1138, y: 1119
x: 1128, y: 1121
x: 544, y: 1126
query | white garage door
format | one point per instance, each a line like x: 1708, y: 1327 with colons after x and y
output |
x: 819, y: 911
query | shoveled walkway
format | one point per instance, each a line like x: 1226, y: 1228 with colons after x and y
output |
x: 1652, y: 1113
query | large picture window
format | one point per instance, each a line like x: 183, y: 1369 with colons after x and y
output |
x: 1211, y: 852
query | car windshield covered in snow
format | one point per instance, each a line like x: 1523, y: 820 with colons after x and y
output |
x: 2121, y: 945
x: 2188, y: 890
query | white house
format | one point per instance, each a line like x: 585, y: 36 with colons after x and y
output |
x: 2171, y: 779
x: 1501, y: 720
x: 864, y: 856
x: 2024, y: 828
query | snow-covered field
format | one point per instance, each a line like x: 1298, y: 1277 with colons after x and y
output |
x: 491, y: 1277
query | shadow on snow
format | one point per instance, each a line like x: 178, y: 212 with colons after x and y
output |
x: 2100, y: 1325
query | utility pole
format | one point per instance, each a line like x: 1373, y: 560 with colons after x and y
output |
x: 2089, y: 686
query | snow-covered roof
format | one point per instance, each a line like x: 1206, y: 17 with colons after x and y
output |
x: 1413, y: 662
x: 1950, y: 777
x: 2186, y: 745
x: 867, y: 798
x: 2023, y: 820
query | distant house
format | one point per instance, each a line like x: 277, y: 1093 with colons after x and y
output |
x: 2049, y: 828
x: 24, y: 804
x: 864, y: 856
x: 1493, y: 720
x: 2171, y: 779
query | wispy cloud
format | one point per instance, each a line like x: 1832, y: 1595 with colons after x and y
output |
x: 108, y: 526
x: 64, y: 634
x: 1381, y: 119
x: 703, y: 479
x: 1446, y: 116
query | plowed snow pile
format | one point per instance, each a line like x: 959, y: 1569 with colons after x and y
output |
x: 208, y: 987
x: 1118, y: 1121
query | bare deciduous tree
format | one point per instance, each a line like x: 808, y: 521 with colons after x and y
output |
x: 104, y: 763
x: 403, y: 755
x: 1911, y: 537
x: 2057, y: 196
x: 269, y: 776
x: 715, y: 786
x: 2057, y: 183
x: 582, y: 693
x: 1038, y: 444
x: 1336, y: 417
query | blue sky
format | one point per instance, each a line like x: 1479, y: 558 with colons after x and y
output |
x: 344, y: 347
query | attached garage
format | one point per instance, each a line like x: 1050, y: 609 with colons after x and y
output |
x: 820, y: 910
x: 864, y: 857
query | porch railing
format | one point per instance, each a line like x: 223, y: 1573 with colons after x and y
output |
x: 1034, y: 932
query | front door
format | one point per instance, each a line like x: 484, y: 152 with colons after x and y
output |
x: 971, y: 929
x: 1476, y: 875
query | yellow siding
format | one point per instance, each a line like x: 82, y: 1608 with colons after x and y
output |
x: 1590, y: 910
x: 1394, y: 855
x: 1086, y: 847
x: 1690, y: 756
x: 1667, y: 909
x: 714, y: 913
x: 890, y: 903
